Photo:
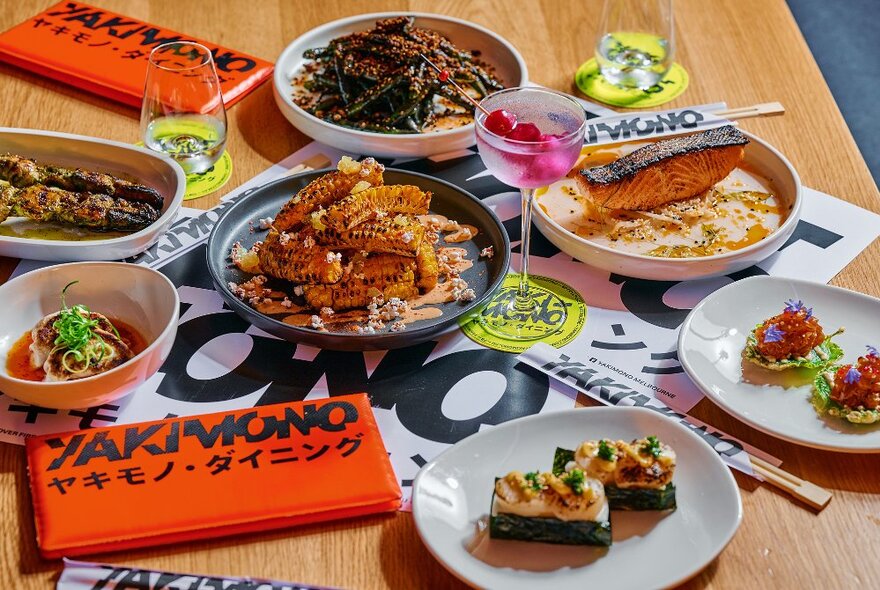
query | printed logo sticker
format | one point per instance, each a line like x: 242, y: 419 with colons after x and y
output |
x: 591, y: 82
x: 576, y: 316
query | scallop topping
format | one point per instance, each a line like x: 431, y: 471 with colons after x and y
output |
x: 857, y: 386
x: 793, y: 333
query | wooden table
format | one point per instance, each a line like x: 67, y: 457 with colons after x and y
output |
x: 740, y: 51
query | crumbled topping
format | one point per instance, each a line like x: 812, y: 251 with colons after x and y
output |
x: 361, y: 186
x: 407, y: 237
x: 365, y: 329
x: 333, y: 257
x: 464, y: 294
x: 381, y: 214
x: 327, y: 311
x: 316, y: 322
x: 298, y: 290
x: 266, y: 222
x: 267, y: 300
x: 308, y: 242
x: 347, y: 165
x: 398, y: 326
x: 458, y: 283
x: 284, y: 238
x: 454, y: 255
x: 287, y: 303
x: 487, y: 252
x: 254, y: 300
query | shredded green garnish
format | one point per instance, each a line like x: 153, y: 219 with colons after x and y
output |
x: 606, y: 451
x: 533, y: 481
x: 77, y: 336
x: 652, y: 447
x: 575, y: 480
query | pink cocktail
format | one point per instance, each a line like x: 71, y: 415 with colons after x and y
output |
x: 531, y: 138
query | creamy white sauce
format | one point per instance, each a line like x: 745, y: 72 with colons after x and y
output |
x: 739, y: 223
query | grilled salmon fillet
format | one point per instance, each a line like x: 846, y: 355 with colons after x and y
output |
x: 665, y: 171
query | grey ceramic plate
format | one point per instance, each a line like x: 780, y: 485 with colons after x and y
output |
x: 484, y: 277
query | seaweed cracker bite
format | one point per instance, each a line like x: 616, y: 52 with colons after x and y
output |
x: 851, y: 392
x: 569, y: 509
x: 791, y: 339
x: 636, y: 475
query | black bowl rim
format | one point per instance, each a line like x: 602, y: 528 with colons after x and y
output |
x: 419, y: 334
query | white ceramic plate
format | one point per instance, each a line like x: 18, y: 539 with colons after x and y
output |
x: 139, y: 296
x: 452, y: 494
x: 101, y: 155
x: 509, y: 67
x: 761, y: 156
x: 710, y: 348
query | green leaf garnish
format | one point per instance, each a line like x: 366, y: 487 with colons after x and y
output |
x: 823, y: 403
x: 813, y: 360
x: 652, y: 447
x: 533, y: 481
x: 575, y: 480
x: 77, y: 336
x: 606, y: 452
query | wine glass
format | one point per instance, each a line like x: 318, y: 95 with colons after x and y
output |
x: 183, y: 114
x: 541, y: 148
x: 635, y: 45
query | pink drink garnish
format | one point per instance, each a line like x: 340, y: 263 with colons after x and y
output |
x: 525, y: 132
x: 501, y: 122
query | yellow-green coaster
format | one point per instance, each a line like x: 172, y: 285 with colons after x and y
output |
x: 205, y: 183
x: 591, y: 82
x: 575, y: 319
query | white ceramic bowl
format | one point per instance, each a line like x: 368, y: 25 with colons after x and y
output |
x: 765, y: 159
x: 139, y: 296
x: 102, y: 155
x: 509, y: 67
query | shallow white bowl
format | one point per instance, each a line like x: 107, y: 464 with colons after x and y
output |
x: 509, y: 67
x: 452, y: 493
x: 101, y: 155
x: 139, y: 296
x: 713, y: 336
x: 768, y: 162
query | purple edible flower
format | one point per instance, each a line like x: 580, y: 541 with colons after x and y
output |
x: 792, y: 306
x: 852, y: 376
x: 872, y: 351
x: 773, y: 334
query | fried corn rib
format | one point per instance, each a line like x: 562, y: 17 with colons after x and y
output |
x: 283, y: 257
x: 354, y: 292
x: 359, y: 207
x: 94, y: 211
x: 428, y: 269
x: 325, y: 190
x: 392, y: 236
x: 380, y: 269
x: 23, y: 173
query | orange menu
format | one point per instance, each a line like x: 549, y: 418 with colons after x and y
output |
x: 179, y: 479
x: 106, y: 53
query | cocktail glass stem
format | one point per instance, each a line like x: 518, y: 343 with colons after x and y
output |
x: 524, y: 301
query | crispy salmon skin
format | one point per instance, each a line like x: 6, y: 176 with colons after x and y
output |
x: 665, y: 171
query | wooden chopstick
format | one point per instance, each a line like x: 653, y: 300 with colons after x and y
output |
x: 803, y: 490
x: 766, y: 109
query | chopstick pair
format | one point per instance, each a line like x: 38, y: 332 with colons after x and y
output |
x: 805, y: 491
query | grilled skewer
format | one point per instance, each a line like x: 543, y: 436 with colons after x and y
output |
x: 81, y: 209
x: 23, y: 173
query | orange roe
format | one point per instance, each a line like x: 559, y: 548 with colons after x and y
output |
x: 801, y: 334
x: 862, y: 394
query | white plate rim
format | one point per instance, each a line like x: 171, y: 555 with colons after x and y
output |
x: 729, y: 481
x: 281, y: 79
x: 730, y: 408
x: 167, y: 216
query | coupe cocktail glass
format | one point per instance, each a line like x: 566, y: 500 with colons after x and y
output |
x: 542, y: 148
